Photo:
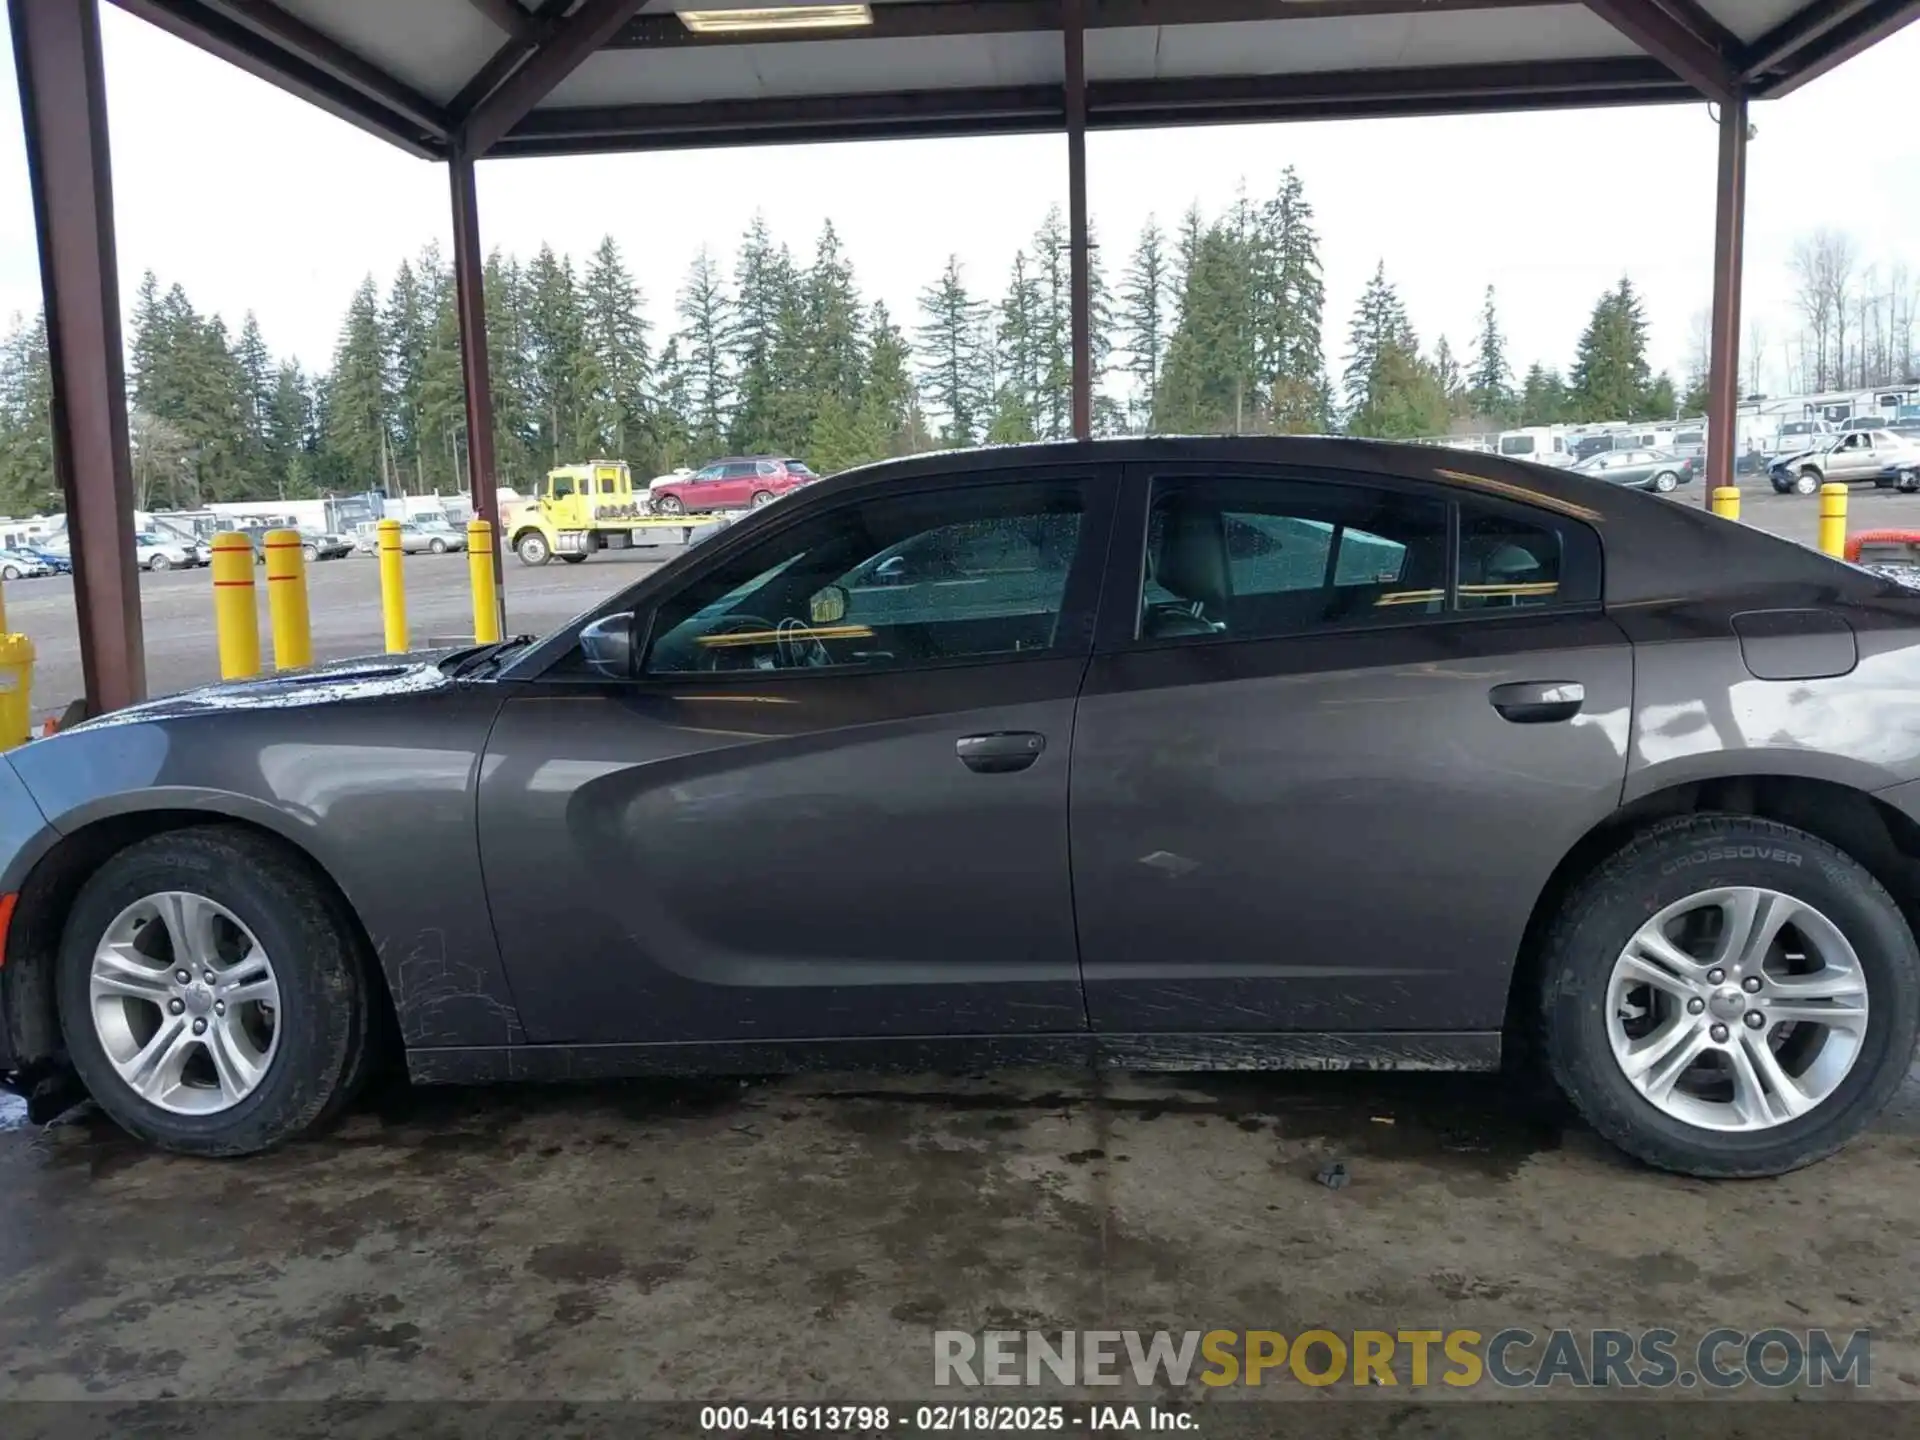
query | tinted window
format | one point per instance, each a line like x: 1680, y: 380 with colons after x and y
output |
x: 1516, y: 444
x: 922, y: 578
x: 738, y: 470
x: 1509, y: 561
x: 562, y: 485
x: 1251, y: 558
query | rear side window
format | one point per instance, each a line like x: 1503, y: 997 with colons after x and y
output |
x: 1251, y: 559
x: 1257, y: 559
x: 1513, y: 561
x: 1516, y: 444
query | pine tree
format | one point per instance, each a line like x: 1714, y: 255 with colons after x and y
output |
x: 1020, y: 362
x: 1610, y: 378
x: 556, y: 341
x: 405, y: 324
x: 614, y: 333
x: 706, y: 318
x: 1446, y: 372
x: 668, y: 426
x: 1490, y: 385
x: 356, y: 427
x: 955, y: 362
x: 1207, y: 385
x: 516, y: 462
x: 27, y: 484
x: 1145, y: 319
x: 833, y: 325
x: 1291, y: 295
x: 1391, y: 391
x: 289, y: 434
x: 442, y: 421
x: 889, y: 421
x: 757, y: 336
x: 1543, y: 397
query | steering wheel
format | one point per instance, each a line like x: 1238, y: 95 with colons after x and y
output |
x: 738, y: 657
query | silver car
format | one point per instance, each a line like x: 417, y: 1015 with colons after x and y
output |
x: 430, y: 539
x: 1862, y: 455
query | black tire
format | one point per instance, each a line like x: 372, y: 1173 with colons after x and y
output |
x: 532, y: 548
x: 1664, y: 864
x: 574, y: 559
x: 12, y: 572
x: 761, y: 497
x: 670, y: 505
x: 159, y: 563
x: 311, y: 553
x: 323, y: 1029
x: 437, y: 547
x: 1808, y: 482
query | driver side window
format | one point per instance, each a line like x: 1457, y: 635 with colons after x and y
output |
x: 884, y: 583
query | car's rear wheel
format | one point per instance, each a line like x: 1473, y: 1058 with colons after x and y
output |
x: 1807, y: 482
x: 437, y: 546
x: 159, y: 562
x: 761, y: 497
x: 1665, y: 482
x: 211, y: 994
x: 669, y: 505
x: 1909, y: 482
x: 532, y: 548
x: 1728, y: 996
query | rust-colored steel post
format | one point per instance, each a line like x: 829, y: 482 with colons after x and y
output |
x: 1723, y: 363
x: 1080, y: 286
x: 56, y: 51
x: 470, y: 302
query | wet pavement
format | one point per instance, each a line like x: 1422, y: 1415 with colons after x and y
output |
x: 802, y: 1239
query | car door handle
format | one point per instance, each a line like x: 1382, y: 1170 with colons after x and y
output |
x: 1538, y: 702
x: 999, y: 754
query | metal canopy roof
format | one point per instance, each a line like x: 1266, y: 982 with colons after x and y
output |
x: 543, y: 77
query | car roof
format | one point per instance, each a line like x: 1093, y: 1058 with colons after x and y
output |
x: 1650, y: 540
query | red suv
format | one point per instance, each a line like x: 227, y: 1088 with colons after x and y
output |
x: 738, y: 484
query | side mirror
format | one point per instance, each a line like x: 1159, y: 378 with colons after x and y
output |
x: 829, y: 606
x: 607, y: 645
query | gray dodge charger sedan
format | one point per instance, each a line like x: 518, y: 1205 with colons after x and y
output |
x: 1170, y: 753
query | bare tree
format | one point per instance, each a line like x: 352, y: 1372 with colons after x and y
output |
x: 160, y: 460
x: 1756, y: 356
x: 1699, y: 350
x: 1823, y: 271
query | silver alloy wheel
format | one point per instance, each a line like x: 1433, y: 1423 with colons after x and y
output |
x: 1665, y: 481
x: 1737, y: 1009
x: 185, y: 1003
x: 1806, y: 483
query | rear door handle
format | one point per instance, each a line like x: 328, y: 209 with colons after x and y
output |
x: 1001, y: 753
x: 1538, y: 702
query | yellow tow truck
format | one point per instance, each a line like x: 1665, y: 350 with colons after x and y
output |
x: 579, y: 509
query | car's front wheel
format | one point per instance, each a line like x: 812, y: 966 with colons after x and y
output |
x: 210, y: 993
x: 437, y: 546
x: 532, y: 548
x: 1728, y: 996
x: 1807, y: 482
x: 1909, y: 482
x: 670, y: 505
x: 159, y: 562
x: 11, y: 572
x: 311, y: 553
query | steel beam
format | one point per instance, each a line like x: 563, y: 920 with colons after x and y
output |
x: 1795, y: 33
x: 470, y: 304
x: 1079, y: 270
x: 920, y: 19
x: 1113, y: 104
x: 56, y: 49
x: 1656, y: 31
x: 1723, y: 341
x: 1864, y: 28
x: 201, y: 25
x: 571, y: 41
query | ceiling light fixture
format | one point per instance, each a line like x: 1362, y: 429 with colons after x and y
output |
x: 785, y: 17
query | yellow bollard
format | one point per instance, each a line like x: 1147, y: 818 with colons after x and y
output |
x: 1726, y: 502
x: 236, y: 621
x: 393, y: 586
x: 1833, y: 520
x: 287, y: 599
x: 486, y: 594
x: 16, y: 691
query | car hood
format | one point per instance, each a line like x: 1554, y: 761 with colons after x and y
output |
x: 372, y: 677
x: 1798, y: 455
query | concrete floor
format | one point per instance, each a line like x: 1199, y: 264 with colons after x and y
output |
x: 802, y: 1239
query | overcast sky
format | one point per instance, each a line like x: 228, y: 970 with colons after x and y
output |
x: 251, y: 199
